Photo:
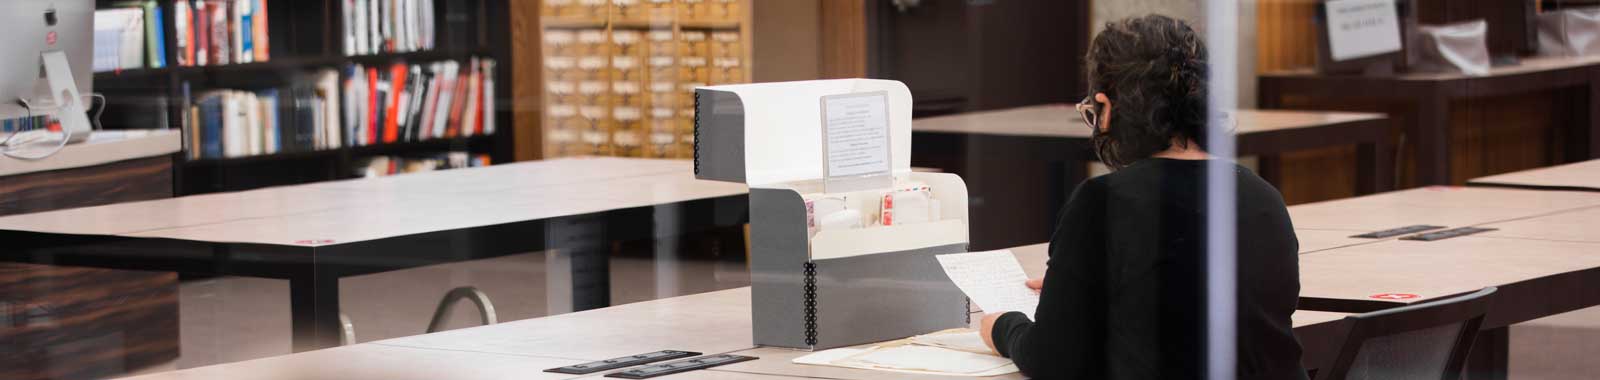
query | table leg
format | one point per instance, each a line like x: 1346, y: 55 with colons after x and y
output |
x: 314, y: 310
x: 1431, y: 136
x: 577, y: 266
x: 1593, y: 114
x: 1374, y: 168
x: 1488, y: 359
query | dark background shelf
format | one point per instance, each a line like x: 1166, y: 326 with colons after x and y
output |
x: 305, y: 36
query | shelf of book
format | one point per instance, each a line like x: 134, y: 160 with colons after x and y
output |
x: 309, y: 39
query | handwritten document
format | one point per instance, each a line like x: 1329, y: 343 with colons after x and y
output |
x: 993, y: 280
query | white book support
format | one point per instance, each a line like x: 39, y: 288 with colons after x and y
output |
x: 839, y: 287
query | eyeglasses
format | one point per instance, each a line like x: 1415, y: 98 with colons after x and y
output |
x: 1089, y: 110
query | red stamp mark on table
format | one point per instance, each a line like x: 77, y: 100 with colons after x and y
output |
x: 314, y: 242
x: 1394, y: 296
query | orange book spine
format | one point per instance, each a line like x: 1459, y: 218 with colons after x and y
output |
x: 397, y: 80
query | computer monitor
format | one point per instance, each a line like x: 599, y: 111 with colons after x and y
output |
x: 37, y: 31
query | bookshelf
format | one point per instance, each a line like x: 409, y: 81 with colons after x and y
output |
x: 618, y: 75
x: 307, y: 36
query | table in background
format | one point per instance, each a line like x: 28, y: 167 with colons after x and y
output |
x: 1021, y: 164
x: 313, y: 235
x: 1430, y: 95
x: 1578, y: 176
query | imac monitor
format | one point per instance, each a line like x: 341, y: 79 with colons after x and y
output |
x: 43, y: 37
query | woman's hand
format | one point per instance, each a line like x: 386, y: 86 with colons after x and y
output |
x: 986, y: 330
x: 1037, y: 284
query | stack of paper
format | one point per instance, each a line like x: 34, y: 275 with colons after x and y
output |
x: 952, y: 353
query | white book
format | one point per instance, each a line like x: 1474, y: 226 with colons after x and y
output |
x: 328, y: 88
x: 488, y: 96
x: 347, y: 9
x: 252, y: 121
x: 359, y: 14
x: 441, y: 113
x: 237, y: 14
x: 235, y: 134
x: 318, y: 136
x: 428, y: 31
x: 269, y: 115
x: 399, y: 24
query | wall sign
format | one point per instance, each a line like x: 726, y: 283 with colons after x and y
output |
x: 1362, y: 28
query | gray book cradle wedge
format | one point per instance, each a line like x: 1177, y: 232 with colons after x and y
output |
x: 839, y: 287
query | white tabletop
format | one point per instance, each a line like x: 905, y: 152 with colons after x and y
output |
x: 365, y: 209
x: 1430, y: 270
x: 1581, y: 225
x: 102, y: 147
x: 1436, y: 205
x: 1062, y: 120
x: 1579, y: 175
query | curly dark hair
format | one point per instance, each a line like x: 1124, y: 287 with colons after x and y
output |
x: 1153, y: 68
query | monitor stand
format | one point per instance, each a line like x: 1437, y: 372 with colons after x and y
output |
x: 64, y: 91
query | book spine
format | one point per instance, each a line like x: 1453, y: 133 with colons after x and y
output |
x: 372, y: 105
x: 261, y: 48
x: 184, y: 37
x: 488, y: 97
x: 157, y: 35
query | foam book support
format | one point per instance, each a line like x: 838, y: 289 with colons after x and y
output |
x: 840, y: 287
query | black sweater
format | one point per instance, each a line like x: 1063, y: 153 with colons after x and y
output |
x: 1125, y: 293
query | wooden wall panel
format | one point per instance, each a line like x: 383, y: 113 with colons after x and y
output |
x: 844, y: 39
x: 527, y: 95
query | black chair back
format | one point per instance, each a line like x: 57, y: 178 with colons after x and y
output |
x: 1423, y: 341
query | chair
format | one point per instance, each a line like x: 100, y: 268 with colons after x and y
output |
x: 441, y: 316
x: 1423, y: 341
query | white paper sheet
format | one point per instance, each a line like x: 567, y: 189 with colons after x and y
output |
x: 933, y: 359
x: 966, y: 340
x: 993, y: 280
x: 841, y: 357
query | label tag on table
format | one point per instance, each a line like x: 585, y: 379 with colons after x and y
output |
x: 625, y: 361
x: 680, y: 366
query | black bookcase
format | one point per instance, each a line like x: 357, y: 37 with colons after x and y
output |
x: 306, y: 36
